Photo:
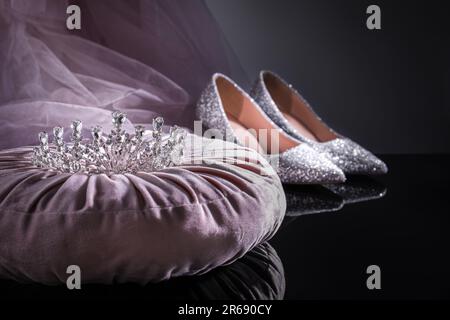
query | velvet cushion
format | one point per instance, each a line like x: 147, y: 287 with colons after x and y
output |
x: 142, y: 227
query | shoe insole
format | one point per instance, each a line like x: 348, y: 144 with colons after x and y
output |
x: 297, y: 111
x: 251, y: 127
x: 299, y: 126
x: 244, y: 136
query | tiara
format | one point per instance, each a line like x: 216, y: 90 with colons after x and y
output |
x: 117, y: 152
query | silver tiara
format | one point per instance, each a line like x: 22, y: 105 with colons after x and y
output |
x: 117, y: 152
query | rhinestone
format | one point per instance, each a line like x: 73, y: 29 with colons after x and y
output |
x: 58, y: 132
x: 43, y: 137
x: 118, y: 118
x: 76, y: 125
x: 158, y: 123
x: 139, y: 131
x: 96, y: 132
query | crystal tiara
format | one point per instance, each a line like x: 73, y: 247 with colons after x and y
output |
x: 117, y: 152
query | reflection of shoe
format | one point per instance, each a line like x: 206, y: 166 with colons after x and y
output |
x: 302, y: 200
x: 358, y: 189
x: 287, y: 108
x: 226, y: 108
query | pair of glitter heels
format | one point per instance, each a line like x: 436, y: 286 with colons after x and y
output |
x: 276, y: 121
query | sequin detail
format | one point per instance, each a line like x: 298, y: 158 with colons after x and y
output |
x: 343, y: 152
x: 350, y: 157
x: 298, y: 165
x: 303, y: 165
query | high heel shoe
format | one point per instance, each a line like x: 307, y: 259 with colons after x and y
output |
x: 287, y: 108
x: 225, y: 107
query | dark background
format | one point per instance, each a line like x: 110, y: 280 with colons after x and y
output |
x: 405, y: 233
x: 386, y: 89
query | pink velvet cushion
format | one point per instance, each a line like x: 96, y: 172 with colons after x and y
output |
x: 142, y: 227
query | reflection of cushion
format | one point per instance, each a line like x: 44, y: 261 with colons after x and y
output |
x: 134, y: 227
x: 258, y: 275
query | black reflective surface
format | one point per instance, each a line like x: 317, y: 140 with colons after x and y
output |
x: 259, y: 275
x: 330, y: 235
x: 406, y: 233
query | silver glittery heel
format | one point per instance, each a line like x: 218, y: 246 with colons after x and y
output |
x: 291, y: 112
x: 227, y: 109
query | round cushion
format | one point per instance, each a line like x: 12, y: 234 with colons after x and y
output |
x: 222, y: 201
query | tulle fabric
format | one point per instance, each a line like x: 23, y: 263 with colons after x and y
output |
x: 145, y: 57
